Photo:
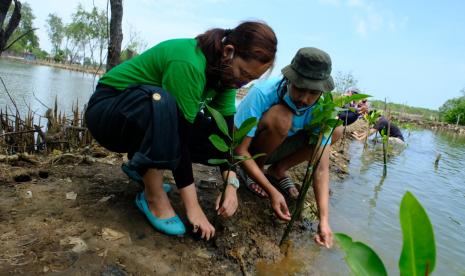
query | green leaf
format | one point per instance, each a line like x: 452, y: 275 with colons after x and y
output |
x: 219, y: 143
x: 343, y: 100
x: 217, y: 161
x: 418, y: 255
x: 245, y: 127
x: 219, y: 119
x: 358, y: 97
x: 362, y: 260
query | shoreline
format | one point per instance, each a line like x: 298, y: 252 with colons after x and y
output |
x: 427, y: 124
x: 70, y: 67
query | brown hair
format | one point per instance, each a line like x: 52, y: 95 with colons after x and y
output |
x: 251, y: 40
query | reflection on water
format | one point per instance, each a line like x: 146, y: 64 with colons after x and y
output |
x: 23, y: 81
x: 366, y: 205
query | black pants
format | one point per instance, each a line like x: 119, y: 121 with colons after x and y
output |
x: 151, y: 130
x: 348, y: 117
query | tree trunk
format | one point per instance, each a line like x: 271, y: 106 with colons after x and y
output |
x: 116, y: 34
x: 6, y: 32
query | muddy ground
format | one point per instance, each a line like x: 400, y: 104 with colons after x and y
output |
x: 74, y: 214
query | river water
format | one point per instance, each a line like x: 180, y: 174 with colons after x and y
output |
x: 23, y: 81
x: 362, y: 205
x: 367, y: 208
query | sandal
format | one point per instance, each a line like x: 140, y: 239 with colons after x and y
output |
x: 134, y: 175
x: 283, y: 184
x: 170, y: 226
x: 250, y: 183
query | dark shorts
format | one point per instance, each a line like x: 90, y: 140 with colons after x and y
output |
x: 290, y: 145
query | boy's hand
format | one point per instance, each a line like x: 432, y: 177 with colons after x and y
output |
x: 279, y: 206
x: 324, y: 237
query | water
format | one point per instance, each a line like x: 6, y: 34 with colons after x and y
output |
x: 367, y: 208
x: 23, y: 81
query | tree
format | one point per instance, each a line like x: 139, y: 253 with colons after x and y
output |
x: 102, y: 33
x: 25, y: 35
x: 116, y: 34
x: 453, y: 111
x: 13, y: 21
x: 75, y: 36
x: 56, y: 32
x: 342, y: 81
x: 135, y: 45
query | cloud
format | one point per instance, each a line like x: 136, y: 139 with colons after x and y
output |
x: 370, y: 17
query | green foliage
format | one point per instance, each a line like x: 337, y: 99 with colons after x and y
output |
x: 425, y: 113
x: 221, y: 123
x: 84, y: 35
x: 56, y: 31
x: 245, y: 127
x: 362, y: 260
x: 233, y: 142
x: 29, y: 41
x: 453, y: 110
x: 127, y: 54
x: 135, y: 45
x: 40, y: 54
x: 418, y: 255
x: 218, y: 142
x: 59, y: 56
x: 372, y: 117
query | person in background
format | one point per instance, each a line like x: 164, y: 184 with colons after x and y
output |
x: 150, y: 108
x: 382, y: 124
x: 283, y: 106
x: 354, y: 111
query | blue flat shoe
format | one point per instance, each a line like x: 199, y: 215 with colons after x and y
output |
x: 170, y: 226
x: 132, y: 174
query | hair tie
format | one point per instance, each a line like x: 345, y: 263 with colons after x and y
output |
x: 228, y: 32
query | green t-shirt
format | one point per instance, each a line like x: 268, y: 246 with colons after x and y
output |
x: 178, y: 66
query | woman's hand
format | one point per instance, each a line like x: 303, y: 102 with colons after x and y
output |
x: 195, y: 213
x: 200, y: 222
x: 324, y: 237
x: 230, y: 203
x: 278, y: 203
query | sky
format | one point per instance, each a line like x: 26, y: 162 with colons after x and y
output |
x: 410, y: 52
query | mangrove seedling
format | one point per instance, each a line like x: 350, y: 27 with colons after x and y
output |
x: 385, y: 139
x: 324, y: 121
x: 232, y: 141
x: 418, y: 256
x: 371, y: 119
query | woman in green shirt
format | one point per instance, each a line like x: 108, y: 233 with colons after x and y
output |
x: 150, y: 107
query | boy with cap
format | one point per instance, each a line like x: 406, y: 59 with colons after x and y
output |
x: 283, y: 106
